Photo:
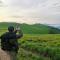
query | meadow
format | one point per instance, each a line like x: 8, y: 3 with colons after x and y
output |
x: 36, y: 43
x: 39, y: 47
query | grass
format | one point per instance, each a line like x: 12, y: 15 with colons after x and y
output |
x: 32, y: 29
x: 46, y: 45
x: 39, y: 47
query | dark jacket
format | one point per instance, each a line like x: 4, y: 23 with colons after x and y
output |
x: 9, y: 41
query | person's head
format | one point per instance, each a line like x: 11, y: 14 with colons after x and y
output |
x: 10, y: 28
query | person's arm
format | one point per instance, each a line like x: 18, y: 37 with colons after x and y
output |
x: 15, y: 31
x: 20, y: 34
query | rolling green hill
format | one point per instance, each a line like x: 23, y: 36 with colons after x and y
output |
x: 32, y: 29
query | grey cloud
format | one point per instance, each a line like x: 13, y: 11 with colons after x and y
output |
x: 25, y: 3
x: 1, y: 3
x: 41, y: 9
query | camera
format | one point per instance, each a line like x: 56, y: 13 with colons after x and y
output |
x: 17, y: 28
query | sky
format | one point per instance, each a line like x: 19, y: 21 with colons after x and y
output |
x: 30, y: 11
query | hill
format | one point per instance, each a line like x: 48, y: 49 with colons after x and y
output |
x: 32, y: 29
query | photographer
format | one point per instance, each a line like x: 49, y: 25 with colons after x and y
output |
x: 9, y: 42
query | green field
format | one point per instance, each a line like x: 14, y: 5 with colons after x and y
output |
x: 36, y: 43
x: 39, y: 47
x: 32, y: 29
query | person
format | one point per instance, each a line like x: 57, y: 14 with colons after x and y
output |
x: 9, y: 42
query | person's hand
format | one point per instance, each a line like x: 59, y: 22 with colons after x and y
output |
x: 18, y: 29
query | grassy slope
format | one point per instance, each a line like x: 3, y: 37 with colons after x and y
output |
x: 31, y: 29
x: 34, y: 29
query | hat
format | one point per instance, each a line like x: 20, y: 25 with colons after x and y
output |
x: 11, y: 28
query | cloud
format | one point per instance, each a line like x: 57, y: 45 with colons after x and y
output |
x: 40, y: 11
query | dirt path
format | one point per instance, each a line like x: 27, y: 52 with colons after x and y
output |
x: 22, y: 55
x: 4, y: 55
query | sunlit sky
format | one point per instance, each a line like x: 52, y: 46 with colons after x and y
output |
x: 30, y: 11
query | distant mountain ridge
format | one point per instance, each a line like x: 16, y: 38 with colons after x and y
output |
x: 32, y: 29
x: 55, y: 25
